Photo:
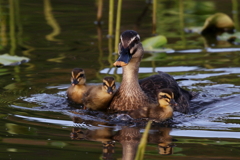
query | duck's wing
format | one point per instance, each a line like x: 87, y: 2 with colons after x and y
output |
x: 151, y: 85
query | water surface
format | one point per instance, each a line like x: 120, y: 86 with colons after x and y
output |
x: 57, y: 36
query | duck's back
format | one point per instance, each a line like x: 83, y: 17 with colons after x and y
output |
x: 151, y: 85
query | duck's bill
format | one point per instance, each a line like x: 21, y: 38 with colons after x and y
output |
x: 124, y: 57
x: 74, y: 82
x: 110, y: 90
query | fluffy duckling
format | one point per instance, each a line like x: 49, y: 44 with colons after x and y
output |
x: 78, y: 87
x: 99, y: 97
x: 166, y: 103
x: 163, y: 111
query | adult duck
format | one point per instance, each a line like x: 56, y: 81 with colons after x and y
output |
x: 133, y: 94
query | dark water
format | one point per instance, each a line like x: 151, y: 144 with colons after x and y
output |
x: 58, y: 35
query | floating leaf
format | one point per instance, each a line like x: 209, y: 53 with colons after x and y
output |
x: 218, y: 21
x: 154, y: 42
x: 8, y: 60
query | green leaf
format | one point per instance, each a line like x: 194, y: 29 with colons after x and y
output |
x: 8, y: 60
x: 218, y: 21
x: 154, y: 42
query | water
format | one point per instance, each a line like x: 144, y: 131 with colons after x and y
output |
x: 57, y: 36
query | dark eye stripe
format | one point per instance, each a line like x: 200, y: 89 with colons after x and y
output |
x: 164, y: 96
x: 81, y: 75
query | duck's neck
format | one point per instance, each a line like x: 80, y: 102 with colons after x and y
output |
x: 130, y: 77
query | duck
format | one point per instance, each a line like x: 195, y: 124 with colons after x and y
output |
x: 78, y: 86
x: 98, y: 97
x: 161, y: 112
x: 135, y: 94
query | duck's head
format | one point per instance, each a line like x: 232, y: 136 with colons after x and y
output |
x: 129, y: 47
x: 166, y: 98
x: 78, y: 76
x: 109, y: 85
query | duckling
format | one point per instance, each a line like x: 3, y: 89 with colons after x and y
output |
x: 166, y: 103
x: 78, y: 87
x: 163, y: 111
x: 99, y: 97
x: 132, y: 94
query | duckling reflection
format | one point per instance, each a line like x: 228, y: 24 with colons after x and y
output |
x: 103, y: 135
x: 163, y: 139
x: 128, y: 137
x: 78, y: 86
x: 99, y: 97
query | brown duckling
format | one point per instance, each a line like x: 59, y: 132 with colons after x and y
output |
x: 166, y: 103
x: 99, y: 97
x: 164, y: 109
x: 133, y: 94
x: 78, y: 87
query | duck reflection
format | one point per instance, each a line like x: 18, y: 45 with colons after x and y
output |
x: 128, y: 137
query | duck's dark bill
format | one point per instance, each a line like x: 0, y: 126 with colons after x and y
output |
x: 124, y: 57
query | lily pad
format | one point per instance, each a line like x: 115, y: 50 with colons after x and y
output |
x: 8, y: 60
x: 218, y: 21
x: 154, y: 42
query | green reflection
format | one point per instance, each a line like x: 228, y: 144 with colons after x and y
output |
x: 18, y: 129
x: 51, y: 21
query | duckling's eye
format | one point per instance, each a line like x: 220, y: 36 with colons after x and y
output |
x: 164, y: 96
x: 81, y: 75
x: 104, y: 83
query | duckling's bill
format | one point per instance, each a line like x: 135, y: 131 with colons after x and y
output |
x: 173, y: 103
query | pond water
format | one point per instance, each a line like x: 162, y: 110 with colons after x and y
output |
x: 58, y: 35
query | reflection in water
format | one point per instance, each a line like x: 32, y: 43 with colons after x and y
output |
x: 128, y: 137
x: 51, y: 21
x: 12, y: 27
x: 3, y: 26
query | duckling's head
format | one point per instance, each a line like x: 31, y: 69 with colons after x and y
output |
x: 166, y: 98
x: 78, y: 76
x: 109, y: 85
x: 129, y: 47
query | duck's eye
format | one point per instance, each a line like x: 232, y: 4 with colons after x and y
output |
x: 104, y: 83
